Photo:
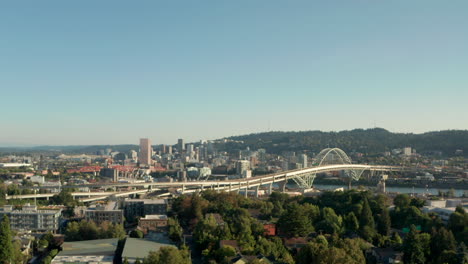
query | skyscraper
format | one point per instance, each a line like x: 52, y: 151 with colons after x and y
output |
x: 242, y: 166
x: 180, y: 145
x: 145, y: 151
x: 303, y: 160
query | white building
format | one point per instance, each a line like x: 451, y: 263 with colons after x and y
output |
x: 14, y: 165
x: 303, y: 160
x: 37, y: 179
x: 247, y: 174
x: 242, y: 166
x: 407, y: 151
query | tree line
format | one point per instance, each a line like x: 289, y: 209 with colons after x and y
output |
x: 370, y: 141
x: 340, y: 227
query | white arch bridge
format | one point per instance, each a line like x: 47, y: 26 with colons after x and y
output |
x: 303, y: 177
x: 328, y: 160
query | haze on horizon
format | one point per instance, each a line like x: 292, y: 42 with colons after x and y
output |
x: 110, y: 72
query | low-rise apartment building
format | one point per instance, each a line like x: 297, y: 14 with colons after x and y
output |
x: 153, y: 223
x: 31, y: 218
x: 102, y: 213
x: 135, y: 208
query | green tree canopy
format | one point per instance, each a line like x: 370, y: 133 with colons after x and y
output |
x: 295, y: 220
x: 413, y: 249
x: 6, y: 248
x: 331, y: 223
x: 168, y: 255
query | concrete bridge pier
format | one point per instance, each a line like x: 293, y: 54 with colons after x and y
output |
x: 230, y: 187
x: 257, y: 190
x: 282, y: 185
x: 270, y: 191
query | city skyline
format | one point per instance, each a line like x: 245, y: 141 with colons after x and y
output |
x: 111, y: 72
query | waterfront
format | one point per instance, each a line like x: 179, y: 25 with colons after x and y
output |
x: 409, y: 190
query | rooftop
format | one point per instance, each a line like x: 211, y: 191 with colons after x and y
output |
x: 152, y: 217
x: 146, y: 201
x: 27, y: 209
x: 140, y: 248
x: 83, y: 259
x: 97, y: 247
x: 110, y: 206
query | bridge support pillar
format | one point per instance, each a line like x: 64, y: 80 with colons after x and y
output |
x: 218, y: 190
x: 183, y: 188
x: 230, y: 187
x: 349, y: 183
x: 257, y: 190
x: 247, y: 189
x: 270, y: 191
x: 283, y: 184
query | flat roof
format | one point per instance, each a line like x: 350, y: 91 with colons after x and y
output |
x: 110, y: 206
x: 146, y: 201
x: 140, y: 248
x: 97, y: 247
x: 151, y: 217
x: 83, y: 259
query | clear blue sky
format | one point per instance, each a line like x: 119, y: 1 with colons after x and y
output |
x: 109, y: 72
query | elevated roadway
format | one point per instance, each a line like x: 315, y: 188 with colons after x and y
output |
x: 219, y: 185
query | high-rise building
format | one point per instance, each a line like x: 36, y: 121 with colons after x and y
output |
x: 169, y: 149
x: 190, y: 149
x: 133, y: 155
x: 303, y: 160
x: 407, y: 151
x: 145, y: 151
x: 180, y: 145
x: 242, y: 166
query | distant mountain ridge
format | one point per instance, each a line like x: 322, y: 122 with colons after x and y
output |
x: 72, y: 149
x: 373, y: 140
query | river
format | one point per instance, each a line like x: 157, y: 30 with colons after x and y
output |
x: 433, y: 191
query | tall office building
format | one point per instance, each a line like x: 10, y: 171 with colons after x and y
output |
x: 303, y: 160
x: 407, y: 151
x: 242, y: 166
x: 145, y: 151
x: 169, y: 149
x: 190, y: 149
x: 180, y: 145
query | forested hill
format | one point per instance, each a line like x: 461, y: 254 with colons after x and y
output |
x: 361, y: 140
